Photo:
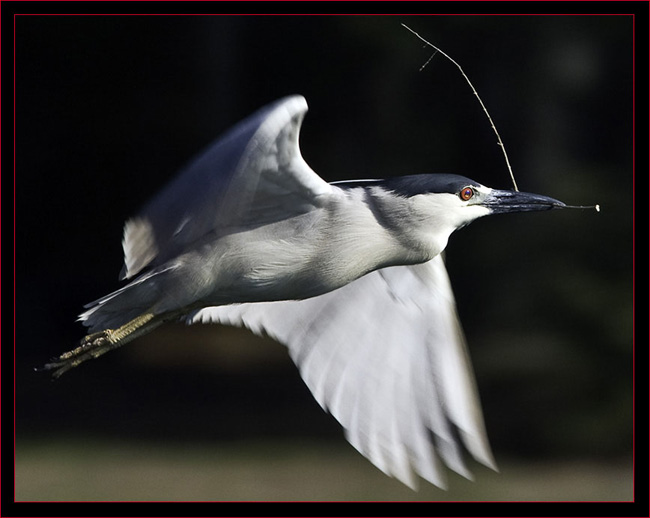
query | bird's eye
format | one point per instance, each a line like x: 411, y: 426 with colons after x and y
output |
x: 466, y: 193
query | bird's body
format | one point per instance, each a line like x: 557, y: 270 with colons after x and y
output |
x: 348, y: 275
x: 310, y: 257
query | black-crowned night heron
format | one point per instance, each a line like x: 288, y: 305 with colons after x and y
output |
x: 348, y: 275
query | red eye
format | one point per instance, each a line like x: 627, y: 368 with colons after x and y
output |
x: 466, y: 193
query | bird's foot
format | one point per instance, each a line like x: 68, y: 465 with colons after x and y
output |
x: 91, y: 346
x: 96, y: 344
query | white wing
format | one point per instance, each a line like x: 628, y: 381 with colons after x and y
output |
x: 253, y: 175
x: 385, y: 355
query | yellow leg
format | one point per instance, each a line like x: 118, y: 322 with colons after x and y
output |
x: 96, y: 344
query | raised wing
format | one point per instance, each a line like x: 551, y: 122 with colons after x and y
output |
x: 251, y: 176
x: 385, y: 355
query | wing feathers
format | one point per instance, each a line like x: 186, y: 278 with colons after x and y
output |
x: 381, y: 356
x: 251, y: 176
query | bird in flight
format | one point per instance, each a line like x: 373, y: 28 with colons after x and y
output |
x: 348, y: 275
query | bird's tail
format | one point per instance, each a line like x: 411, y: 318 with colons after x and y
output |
x: 115, y: 320
x: 116, y: 309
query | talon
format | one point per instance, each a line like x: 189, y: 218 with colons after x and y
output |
x: 96, y: 344
x: 90, y: 346
x: 96, y: 339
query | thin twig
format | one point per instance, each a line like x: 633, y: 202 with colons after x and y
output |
x: 499, y: 141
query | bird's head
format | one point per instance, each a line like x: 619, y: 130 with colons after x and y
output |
x: 438, y: 204
x: 459, y: 200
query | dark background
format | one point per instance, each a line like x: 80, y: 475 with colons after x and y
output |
x: 108, y: 108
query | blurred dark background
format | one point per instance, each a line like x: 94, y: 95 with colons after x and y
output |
x: 108, y: 108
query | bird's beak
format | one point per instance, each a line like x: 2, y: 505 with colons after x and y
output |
x: 500, y: 202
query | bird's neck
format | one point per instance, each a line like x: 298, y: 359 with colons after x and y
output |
x: 385, y: 233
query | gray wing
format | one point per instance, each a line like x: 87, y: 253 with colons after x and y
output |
x: 385, y: 355
x: 252, y: 175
